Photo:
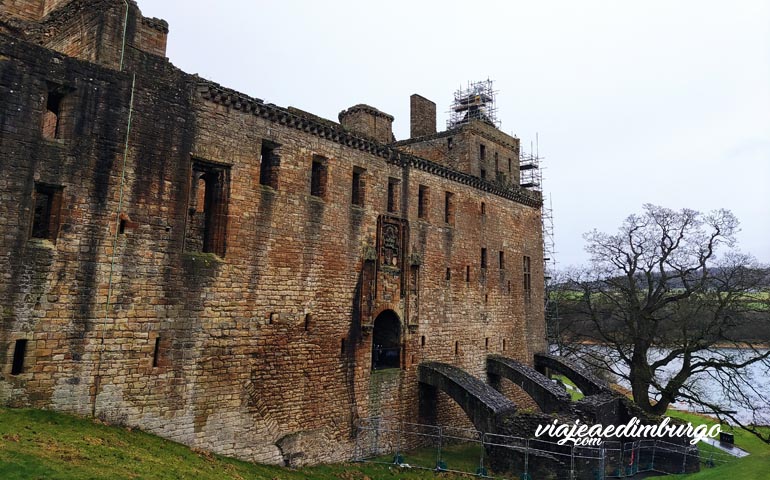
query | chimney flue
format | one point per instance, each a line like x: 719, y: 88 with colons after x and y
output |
x: 422, y: 116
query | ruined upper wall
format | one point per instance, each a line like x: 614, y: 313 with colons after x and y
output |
x: 91, y: 30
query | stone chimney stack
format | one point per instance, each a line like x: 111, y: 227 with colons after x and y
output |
x: 422, y: 116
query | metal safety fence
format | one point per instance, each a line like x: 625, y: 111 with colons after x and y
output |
x: 467, y: 451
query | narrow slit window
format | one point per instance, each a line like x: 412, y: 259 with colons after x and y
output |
x: 486, y: 343
x: 457, y: 347
x: 467, y: 274
x: 482, y: 151
x: 422, y: 341
x: 449, y: 143
x: 46, y: 213
x: 308, y: 320
x: 392, y: 195
x: 357, y: 197
x: 19, y: 352
x: 502, y: 260
x: 483, y: 258
x: 448, y: 274
x: 527, y: 278
x: 449, y: 208
x: 483, y: 208
x: 504, y: 345
x: 422, y: 202
x: 318, y: 176
x: 510, y: 166
x: 269, y: 164
x: 483, y: 173
x: 156, y: 353
x: 497, y: 164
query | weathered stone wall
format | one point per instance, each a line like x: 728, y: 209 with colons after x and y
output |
x: 257, y: 348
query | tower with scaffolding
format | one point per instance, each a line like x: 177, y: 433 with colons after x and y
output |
x: 532, y: 179
x: 474, y: 102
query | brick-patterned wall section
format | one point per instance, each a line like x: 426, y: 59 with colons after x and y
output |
x: 258, y: 348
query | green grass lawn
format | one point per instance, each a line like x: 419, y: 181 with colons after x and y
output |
x: 37, y: 444
x: 755, y: 467
x: 574, y: 392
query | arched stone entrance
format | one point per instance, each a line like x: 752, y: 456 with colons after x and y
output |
x: 386, y: 341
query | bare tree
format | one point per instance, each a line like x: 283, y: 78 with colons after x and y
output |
x: 673, y: 313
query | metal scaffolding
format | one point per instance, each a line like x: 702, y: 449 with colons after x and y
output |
x: 532, y: 179
x: 474, y: 102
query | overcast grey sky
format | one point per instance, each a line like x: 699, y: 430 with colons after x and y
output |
x: 657, y: 101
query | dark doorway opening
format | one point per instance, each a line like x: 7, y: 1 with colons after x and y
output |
x: 386, y: 341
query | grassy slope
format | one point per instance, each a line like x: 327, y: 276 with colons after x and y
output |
x: 37, y: 444
x: 756, y: 466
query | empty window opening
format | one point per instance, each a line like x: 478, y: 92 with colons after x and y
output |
x: 483, y: 258
x: 483, y: 173
x: 448, y: 274
x: 269, y: 164
x: 510, y: 166
x: 358, y: 187
x: 272, y: 319
x: 209, y: 198
x: 527, y: 278
x: 449, y: 208
x: 486, y: 343
x: 482, y: 151
x: 422, y: 341
x: 483, y: 208
x: 449, y: 143
x: 392, y: 195
x: 502, y: 260
x: 52, y: 116
x: 486, y: 298
x: 122, y: 226
x: 19, y: 351
x: 422, y: 202
x: 318, y: 176
x: 457, y: 347
x: 467, y: 273
x: 156, y: 353
x: 342, y: 346
x: 509, y: 287
x: 45, y: 216
x: 386, y: 341
x: 497, y: 164
x: 504, y: 345
x: 308, y: 319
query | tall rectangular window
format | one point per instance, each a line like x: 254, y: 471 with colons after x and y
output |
x: 19, y: 351
x: 483, y: 258
x: 318, y: 176
x: 393, y: 195
x: 502, y: 260
x: 422, y: 202
x: 467, y: 274
x: 527, y: 278
x: 52, y: 116
x: 497, y: 164
x: 449, y: 208
x: 482, y: 152
x: 269, y: 164
x: 208, y: 205
x: 357, y: 196
x: 46, y: 212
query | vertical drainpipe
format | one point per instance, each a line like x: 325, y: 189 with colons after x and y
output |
x: 97, y: 376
